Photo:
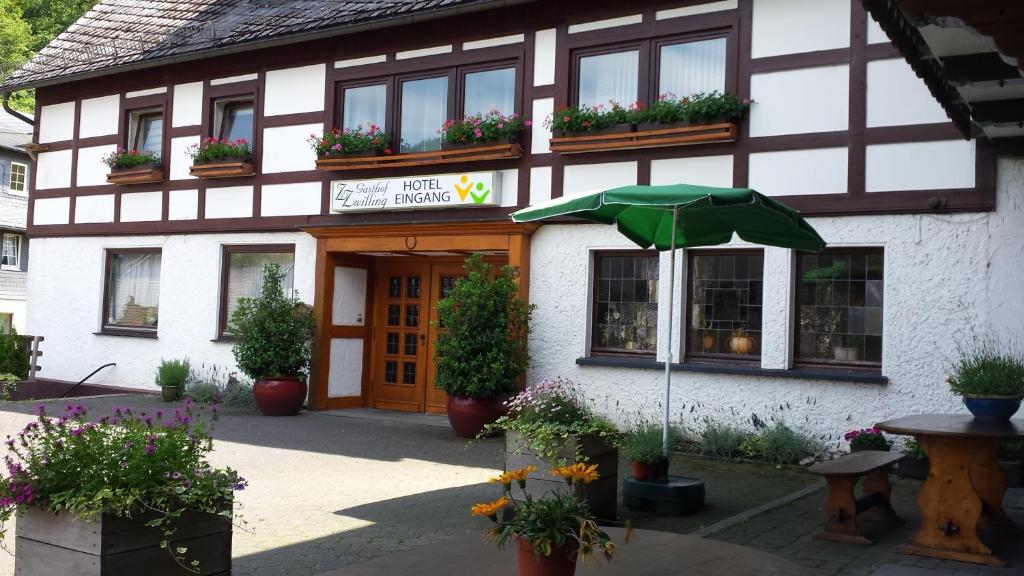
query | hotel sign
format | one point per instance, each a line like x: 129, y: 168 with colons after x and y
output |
x: 466, y: 189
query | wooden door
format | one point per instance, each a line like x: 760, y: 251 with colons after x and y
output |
x: 442, y: 280
x: 400, y: 359
x: 348, y: 320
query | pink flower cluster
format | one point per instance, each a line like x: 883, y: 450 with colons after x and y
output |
x: 862, y: 432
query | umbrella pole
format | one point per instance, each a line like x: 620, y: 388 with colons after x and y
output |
x: 671, y: 313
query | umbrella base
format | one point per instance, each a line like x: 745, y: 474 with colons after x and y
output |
x: 674, y: 496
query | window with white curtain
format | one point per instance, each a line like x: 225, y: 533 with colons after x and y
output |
x: 692, y: 67
x: 364, y: 106
x: 612, y: 77
x: 424, y: 110
x: 243, y: 268
x: 490, y: 90
x: 133, y: 290
x: 11, y: 252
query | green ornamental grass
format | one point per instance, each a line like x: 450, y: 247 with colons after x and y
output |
x: 987, y: 367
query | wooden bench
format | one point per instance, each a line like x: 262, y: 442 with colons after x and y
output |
x: 843, y: 505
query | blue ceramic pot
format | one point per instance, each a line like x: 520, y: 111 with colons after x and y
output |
x: 992, y: 408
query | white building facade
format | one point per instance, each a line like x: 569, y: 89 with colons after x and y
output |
x: 925, y: 228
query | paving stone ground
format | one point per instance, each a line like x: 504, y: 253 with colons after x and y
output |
x: 330, y: 490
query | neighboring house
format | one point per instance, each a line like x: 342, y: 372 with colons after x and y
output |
x: 15, y: 175
x: 923, y: 225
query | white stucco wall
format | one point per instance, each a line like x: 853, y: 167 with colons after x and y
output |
x: 944, y: 276
x: 189, y: 299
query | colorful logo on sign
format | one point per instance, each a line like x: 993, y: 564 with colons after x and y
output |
x: 465, y: 187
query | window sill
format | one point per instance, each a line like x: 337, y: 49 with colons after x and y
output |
x: 443, y: 156
x: 225, y: 339
x: 127, y: 332
x: 222, y: 169
x: 707, y: 368
x: 659, y: 137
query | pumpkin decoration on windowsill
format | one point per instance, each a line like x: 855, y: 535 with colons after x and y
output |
x: 740, y: 343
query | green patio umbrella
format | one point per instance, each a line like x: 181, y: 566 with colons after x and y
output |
x: 684, y: 216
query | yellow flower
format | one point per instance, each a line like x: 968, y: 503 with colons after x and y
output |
x: 578, y: 472
x: 490, y: 508
x: 519, y: 475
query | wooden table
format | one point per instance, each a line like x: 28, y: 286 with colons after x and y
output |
x: 964, y: 489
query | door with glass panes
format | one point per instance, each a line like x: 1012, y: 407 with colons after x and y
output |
x: 402, y: 320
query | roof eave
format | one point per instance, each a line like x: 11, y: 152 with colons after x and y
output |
x: 269, y: 43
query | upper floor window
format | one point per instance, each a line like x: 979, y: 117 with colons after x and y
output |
x: 839, y: 307
x: 146, y: 131
x: 365, y: 106
x: 11, y: 255
x: 19, y: 178
x: 132, y: 292
x: 625, y: 302
x: 724, y: 316
x: 424, y: 110
x: 414, y: 108
x: 233, y: 119
x: 645, y: 70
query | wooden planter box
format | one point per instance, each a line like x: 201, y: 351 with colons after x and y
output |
x: 602, y: 494
x: 223, y: 169
x: 656, y: 138
x: 48, y: 545
x: 468, y: 154
x: 137, y: 175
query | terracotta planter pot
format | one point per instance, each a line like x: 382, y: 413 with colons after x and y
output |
x: 468, y: 416
x: 170, y: 393
x: 644, y: 471
x: 561, y: 562
x: 281, y: 396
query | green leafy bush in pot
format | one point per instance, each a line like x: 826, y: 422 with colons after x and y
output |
x: 642, y: 442
x: 913, y: 450
x: 481, y: 351
x: 272, y: 331
x: 987, y: 368
x: 173, y: 373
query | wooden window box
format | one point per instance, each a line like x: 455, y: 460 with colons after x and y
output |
x: 137, y: 175
x: 655, y: 138
x: 226, y: 169
x: 468, y: 154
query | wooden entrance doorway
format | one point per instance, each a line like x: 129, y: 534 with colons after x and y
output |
x: 376, y: 290
x: 405, y: 331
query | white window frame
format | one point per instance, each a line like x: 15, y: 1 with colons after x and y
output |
x: 17, y: 252
x: 23, y: 191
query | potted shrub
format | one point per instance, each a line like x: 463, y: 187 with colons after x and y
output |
x: 550, y: 532
x: 272, y: 345
x: 213, y: 158
x: 550, y: 423
x: 133, y: 167
x: 351, y: 143
x: 481, y: 348
x: 116, y: 491
x: 989, y: 377
x: 914, y: 463
x: 171, y: 376
x: 641, y: 447
x: 867, y: 439
x: 480, y: 129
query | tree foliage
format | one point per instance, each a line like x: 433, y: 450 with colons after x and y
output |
x: 481, y: 350
x: 26, y: 27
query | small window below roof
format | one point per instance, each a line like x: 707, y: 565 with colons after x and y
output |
x: 233, y: 119
x: 18, y: 183
x: 146, y: 131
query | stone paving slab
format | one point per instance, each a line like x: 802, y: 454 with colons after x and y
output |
x: 647, y: 554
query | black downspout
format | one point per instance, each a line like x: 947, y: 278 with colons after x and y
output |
x: 13, y: 112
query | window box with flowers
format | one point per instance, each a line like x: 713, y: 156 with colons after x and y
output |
x: 128, y: 493
x: 491, y: 136
x: 223, y: 158
x: 670, y: 121
x: 133, y: 167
